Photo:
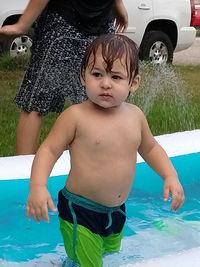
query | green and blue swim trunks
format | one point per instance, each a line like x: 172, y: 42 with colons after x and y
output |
x: 89, y: 229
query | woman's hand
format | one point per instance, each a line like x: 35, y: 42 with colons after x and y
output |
x: 121, y: 16
x: 14, y: 30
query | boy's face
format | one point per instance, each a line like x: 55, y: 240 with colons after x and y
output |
x: 108, y: 88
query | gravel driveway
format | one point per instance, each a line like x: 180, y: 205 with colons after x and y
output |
x: 188, y: 56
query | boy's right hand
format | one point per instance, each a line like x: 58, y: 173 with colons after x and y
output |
x: 14, y: 30
x: 39, y: 200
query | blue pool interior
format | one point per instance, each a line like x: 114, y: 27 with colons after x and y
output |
x: 152, y: 229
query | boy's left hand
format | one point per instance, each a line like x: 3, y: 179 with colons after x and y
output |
x: 172, y: 186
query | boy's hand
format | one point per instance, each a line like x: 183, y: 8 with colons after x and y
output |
x: 39, y: 201
x: 173, y: 186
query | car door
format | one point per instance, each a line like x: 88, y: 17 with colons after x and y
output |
x: 140, y: 13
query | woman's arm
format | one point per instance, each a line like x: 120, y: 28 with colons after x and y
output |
x: 32, y: 11
x: 121, y: 16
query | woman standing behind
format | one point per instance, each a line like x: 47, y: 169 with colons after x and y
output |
x: 63, y: 30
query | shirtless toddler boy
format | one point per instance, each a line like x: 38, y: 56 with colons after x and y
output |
x: 103, y: 134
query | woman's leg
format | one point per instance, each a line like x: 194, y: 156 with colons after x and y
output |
x: 28, y: 132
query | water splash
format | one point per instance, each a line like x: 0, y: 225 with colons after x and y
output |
x: 163, y: 96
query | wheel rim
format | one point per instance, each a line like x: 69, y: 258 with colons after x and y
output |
x: 158, y: 53
x: 20, y: 45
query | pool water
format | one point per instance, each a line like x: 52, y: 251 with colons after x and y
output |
x: 152, y: 229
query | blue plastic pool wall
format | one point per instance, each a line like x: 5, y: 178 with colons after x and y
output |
x: 18, y: 232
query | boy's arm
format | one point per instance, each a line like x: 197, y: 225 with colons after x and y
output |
x: 57, y: 141
x: 39, y: 199
x: 157, y: 158
x: 121, y: 16
x: 32, y: 11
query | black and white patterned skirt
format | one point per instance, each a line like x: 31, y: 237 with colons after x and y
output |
x: 53, y: 74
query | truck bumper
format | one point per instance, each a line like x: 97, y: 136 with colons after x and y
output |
x: 186, y: 38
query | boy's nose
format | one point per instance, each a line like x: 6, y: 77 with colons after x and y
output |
x: 106, y: 83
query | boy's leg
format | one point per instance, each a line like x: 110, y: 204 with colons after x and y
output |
x: 88, y: 248
x: 28, y: 132
x: 112, y: 242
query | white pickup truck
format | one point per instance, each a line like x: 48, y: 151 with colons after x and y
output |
x: 159, y: 27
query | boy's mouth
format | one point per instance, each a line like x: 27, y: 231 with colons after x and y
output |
x: 106, y: 96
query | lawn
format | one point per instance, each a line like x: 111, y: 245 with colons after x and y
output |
x: 169, y: 96
x: 198, y: 31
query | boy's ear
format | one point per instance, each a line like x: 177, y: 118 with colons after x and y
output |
x: 82, y: 79
x: 135, y: 83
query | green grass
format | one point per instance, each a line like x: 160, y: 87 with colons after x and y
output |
x: 173, y: 97
x: 11, y: 74
x: 175, y: 106
x: 198, y: 31
x: 8, y: 63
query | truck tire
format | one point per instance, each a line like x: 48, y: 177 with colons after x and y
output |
x: 157, y: 47
x: 16, y: 46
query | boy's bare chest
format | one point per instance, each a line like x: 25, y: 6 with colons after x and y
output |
x: 105, y: 135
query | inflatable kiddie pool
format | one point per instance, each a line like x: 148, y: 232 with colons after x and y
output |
x: 154, y: 236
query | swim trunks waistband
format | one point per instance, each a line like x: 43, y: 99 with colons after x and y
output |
x: 87, y: 203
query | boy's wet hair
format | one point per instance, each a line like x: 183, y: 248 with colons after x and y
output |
x: 113, y: 46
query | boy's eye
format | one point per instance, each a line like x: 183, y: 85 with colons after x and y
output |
x: 116, y: 77
x: 96, y: 74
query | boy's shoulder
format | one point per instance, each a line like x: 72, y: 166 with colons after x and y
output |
x: 72, y: 111
x: 74, y: 108
x: 134, y: 108
x: 136, y: 112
